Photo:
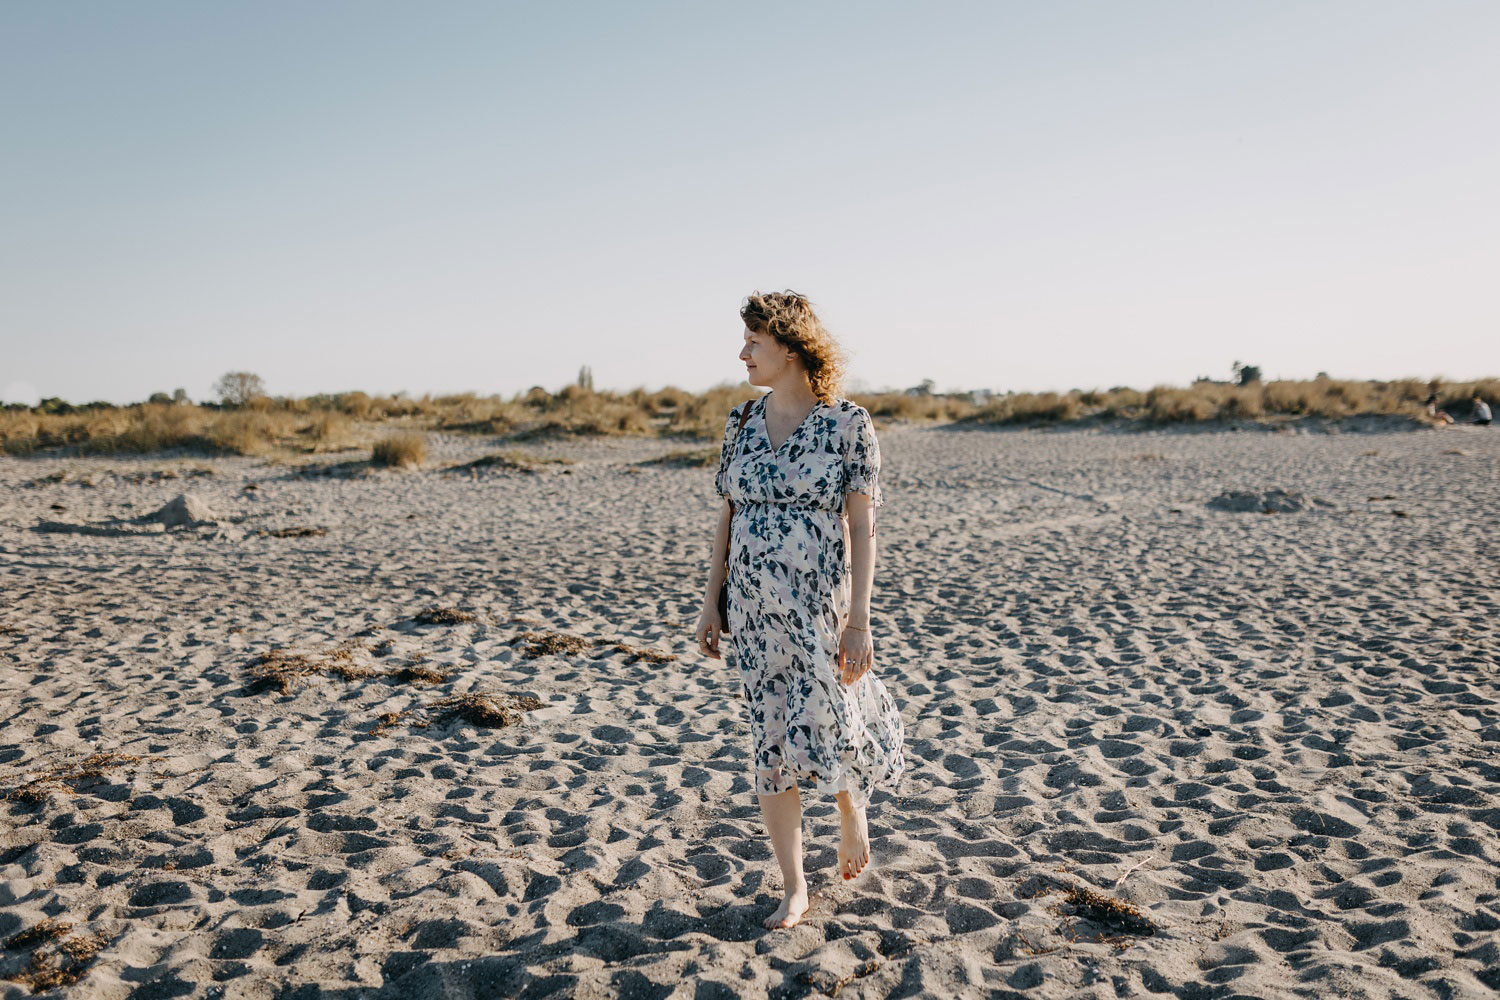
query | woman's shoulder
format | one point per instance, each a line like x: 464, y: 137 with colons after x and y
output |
x: 736, y: 412
x: 850, y: 409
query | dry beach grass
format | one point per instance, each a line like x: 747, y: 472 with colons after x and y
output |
x: 313, y: 425
x: 444, y: 731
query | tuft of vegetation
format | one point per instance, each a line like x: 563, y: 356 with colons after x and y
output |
x: 405, y: 450
x: 330, y: 430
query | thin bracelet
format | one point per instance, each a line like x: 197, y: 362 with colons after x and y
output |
x: 860, y: 627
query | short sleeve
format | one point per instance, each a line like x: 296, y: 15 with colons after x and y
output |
x: 726, y: 450
x: 862, y: 458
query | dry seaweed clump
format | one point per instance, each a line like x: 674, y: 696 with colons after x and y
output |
x: 345, y: 670
x: 445, y: 616
x: 54, y: 778
x: 1102, y: 909
x: 387, y: 720
x: 547, y: 643
x: 281, y: 669
x: 491, y: 710
x: 43, y: 930
x: 416, y: 673
x: 303, y: 532
x: 45, y: 972
x: 634, y: 653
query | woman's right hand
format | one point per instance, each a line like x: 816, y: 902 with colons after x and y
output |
x: 709, y: 628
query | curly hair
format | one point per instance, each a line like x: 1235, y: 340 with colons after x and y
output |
x: 789, y: 317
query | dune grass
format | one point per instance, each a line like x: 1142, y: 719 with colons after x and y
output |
x: 332, y: 423
x: 1331, y: 399
x: 407, y: 449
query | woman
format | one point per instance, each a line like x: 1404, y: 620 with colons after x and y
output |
x: 799, y: 586
x: 1441, y: 416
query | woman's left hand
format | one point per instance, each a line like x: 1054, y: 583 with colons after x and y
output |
x: 856, y: 655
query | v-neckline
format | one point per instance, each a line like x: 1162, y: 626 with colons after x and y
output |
x: 765, y: 427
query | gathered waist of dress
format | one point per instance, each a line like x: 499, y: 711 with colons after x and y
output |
x: 787, y: 505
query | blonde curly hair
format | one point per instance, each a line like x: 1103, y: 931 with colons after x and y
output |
x: 789, y: 317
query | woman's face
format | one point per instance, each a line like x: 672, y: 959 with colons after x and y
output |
x: 766, y: 360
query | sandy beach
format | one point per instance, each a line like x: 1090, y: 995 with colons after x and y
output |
x: 1155, y: 748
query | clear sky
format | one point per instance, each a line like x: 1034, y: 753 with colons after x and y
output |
x: 450, y: 196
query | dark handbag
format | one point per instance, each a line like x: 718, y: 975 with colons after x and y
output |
x: 724, y: 587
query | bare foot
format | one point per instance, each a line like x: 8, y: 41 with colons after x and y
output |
x: 791, y: 909
x: 854, y: 847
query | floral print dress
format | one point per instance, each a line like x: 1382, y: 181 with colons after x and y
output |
x: 790, y: 591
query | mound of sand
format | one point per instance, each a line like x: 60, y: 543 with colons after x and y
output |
x: 186, y: 510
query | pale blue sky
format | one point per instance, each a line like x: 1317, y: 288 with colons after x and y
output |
x: 452, y: 196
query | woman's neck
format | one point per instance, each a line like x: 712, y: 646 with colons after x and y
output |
x: 791, y: 398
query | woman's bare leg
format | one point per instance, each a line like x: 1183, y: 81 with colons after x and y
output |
x: 783, y: 815
x: 854, y: 845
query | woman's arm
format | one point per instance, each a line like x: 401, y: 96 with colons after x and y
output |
x: 862, y: 494
x: 709, y: 625
x: 717, y: 571
x: 861, y: 519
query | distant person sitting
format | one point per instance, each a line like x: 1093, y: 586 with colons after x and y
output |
x: 1481, y: 410
x: 1441, y: 416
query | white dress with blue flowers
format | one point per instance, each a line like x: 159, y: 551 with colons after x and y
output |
x: 790, y: 591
